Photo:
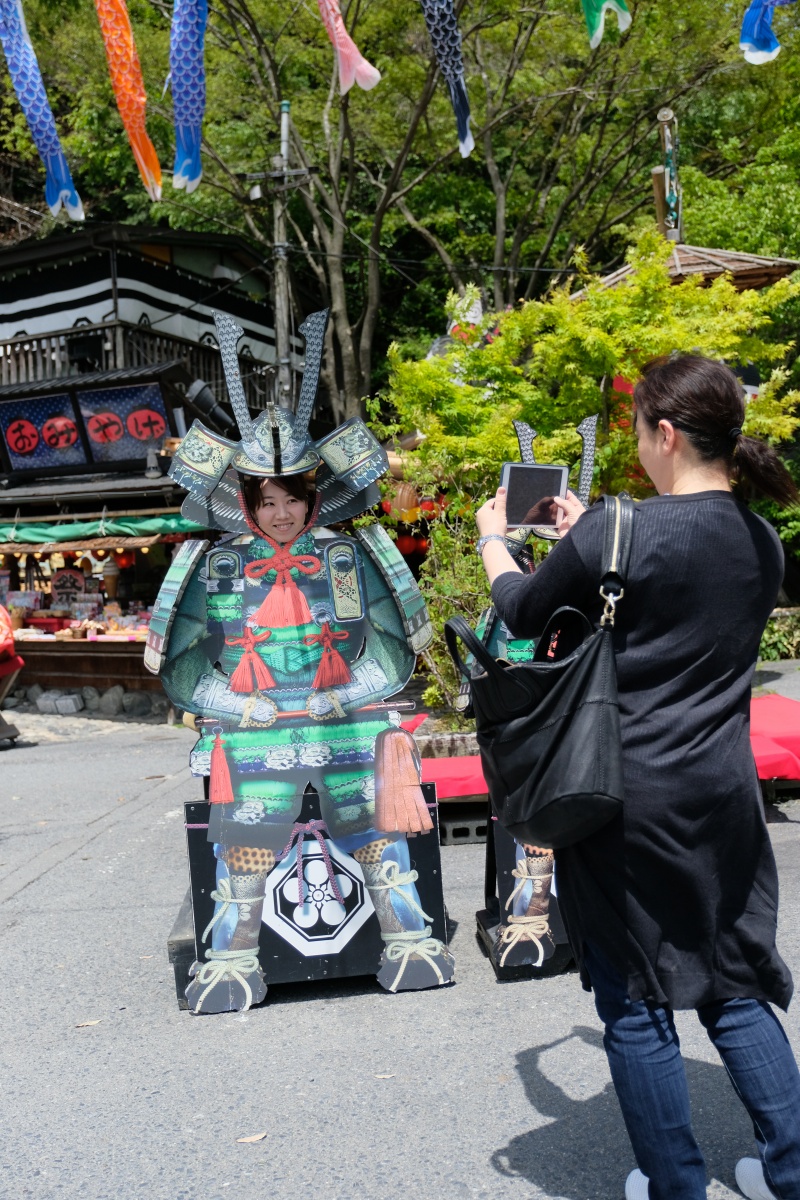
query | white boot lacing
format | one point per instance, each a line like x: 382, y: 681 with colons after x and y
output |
x: 400, y: 946
x: 524, y: 929
x: 227, y: 966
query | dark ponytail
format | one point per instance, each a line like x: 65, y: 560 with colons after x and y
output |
x: 705, y: 400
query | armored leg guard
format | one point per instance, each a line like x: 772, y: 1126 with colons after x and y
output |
x: 523, y: 936
x: 412, y: 958
x: 231, y: 979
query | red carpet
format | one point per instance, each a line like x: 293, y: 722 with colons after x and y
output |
x: 774, y: 733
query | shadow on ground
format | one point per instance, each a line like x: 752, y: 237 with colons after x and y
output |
x: 584, y: 1150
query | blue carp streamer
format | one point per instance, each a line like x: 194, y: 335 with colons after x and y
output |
x: 23, y: 67
x: 757, y: 39
x: 188, y: 76
x: 442, y: 25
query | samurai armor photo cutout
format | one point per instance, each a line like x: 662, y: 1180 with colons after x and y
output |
x: 521, y: 929
x: 288, y: 652
x: 335, y: 932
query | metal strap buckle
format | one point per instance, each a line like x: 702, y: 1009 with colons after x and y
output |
x: 609, y: 612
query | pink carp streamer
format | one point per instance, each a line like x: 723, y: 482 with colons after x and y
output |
x: 353, y: 67
x: 128, y: 84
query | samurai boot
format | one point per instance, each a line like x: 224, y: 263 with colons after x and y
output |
x: 527, y: 940
x: 412, y: 959
x: 231, y: 979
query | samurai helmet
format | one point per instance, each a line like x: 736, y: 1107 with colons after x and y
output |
x: 277, y: 442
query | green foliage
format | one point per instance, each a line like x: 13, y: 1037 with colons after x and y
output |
x: 550, y: 363
x: 781, y: 638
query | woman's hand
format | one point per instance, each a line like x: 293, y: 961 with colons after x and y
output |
x: 571, y: 509
x: 491, y: 516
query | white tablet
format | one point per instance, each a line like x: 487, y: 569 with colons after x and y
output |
x: 532, y: 493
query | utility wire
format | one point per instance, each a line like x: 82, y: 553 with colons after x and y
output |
x: 392, y: 262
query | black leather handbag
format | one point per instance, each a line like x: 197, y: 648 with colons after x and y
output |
x: 548, y: 729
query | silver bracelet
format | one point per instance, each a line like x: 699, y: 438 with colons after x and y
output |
x: 489, y: 537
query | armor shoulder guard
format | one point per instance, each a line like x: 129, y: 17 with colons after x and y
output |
x: 401, y: 583
x: 166, y: 606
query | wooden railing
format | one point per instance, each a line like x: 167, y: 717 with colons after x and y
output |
x: 74, y: 352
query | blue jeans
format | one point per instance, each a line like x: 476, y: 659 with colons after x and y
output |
x: 646, y: 1066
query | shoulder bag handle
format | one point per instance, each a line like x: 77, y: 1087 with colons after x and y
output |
x: 617, y: 541
x: 572, y: 627
x: 457, y: 628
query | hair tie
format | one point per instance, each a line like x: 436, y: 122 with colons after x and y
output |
x: 735, y: 433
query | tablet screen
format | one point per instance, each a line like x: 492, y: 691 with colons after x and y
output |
x: 532, y: 493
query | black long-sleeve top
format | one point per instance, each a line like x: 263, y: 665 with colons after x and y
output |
x: 681, y: 890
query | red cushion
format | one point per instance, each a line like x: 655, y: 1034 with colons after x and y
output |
x: 774, y: 761
x: 775, y: 737
x: 15, y: 663
x: 455, y: 776
x: 414, y: 722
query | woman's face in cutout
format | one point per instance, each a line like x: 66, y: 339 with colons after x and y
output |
x: 280, y: 515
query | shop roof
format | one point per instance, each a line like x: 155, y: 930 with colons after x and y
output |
x: 91, y: 488
x: 172, y: 371
x: 746, y: 270
x: 67, y: 241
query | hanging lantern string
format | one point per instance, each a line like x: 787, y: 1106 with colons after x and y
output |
x: 299, y: 831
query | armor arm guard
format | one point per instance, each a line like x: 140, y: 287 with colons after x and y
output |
x: 180, y: 648
x: 402, y: 586
x: 385, y: 630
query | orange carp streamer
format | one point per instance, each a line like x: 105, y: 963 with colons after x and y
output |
x: 128, y: 84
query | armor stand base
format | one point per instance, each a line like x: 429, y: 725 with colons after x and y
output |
x: 501, y: 874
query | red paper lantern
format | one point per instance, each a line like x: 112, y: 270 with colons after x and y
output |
x: 421, y: 545
x: 124, y: 558
x: 406, y: 544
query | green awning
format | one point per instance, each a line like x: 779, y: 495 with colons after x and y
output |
x: 38, y: 532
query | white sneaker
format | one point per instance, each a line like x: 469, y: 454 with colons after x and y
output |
x: 637, y: 1186
x: 750, y: 1180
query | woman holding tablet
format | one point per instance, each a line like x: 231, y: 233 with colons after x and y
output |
x: 673, y: 905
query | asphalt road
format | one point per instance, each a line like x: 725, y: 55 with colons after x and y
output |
x: 493, y: 1090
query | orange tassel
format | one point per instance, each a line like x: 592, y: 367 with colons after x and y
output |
x: 252, y: 674
x: 284, y: 605
x: 220, y: 789
x: 332, y: 669
x: 399, y: 802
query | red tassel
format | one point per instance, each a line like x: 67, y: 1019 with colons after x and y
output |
x: 252, y: 674
x: 220, y: 789
x: 332, y: 669
x: 283, y: 606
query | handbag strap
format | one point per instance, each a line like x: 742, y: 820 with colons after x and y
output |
x: 458, y: 628
x: 617, y: 541
x: 570, y: 627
